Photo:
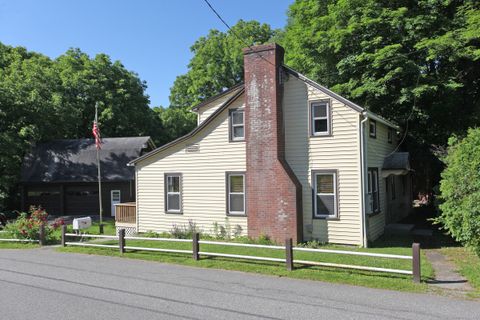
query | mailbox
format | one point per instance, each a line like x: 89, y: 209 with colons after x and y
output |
x: 82, y: 223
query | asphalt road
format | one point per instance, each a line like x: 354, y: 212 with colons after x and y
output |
x: 44, y: 284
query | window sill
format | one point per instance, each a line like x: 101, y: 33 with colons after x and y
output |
x: 321, y: 135
x: 236, y: 140
x: 326, y: 217
x: 236, y: 214
x: 174, y: 212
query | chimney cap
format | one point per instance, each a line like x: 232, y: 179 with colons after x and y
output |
x: 263, y: 47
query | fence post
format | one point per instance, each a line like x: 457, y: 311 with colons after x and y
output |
x: 289, y: 254
x: 121, y: 240
x: 416, y: 262
x: 41, y: 234
x: 195, y: 246
x: 64, y: 230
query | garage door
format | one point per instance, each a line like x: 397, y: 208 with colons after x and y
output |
x: 81, y: 200
x: 47, y: 198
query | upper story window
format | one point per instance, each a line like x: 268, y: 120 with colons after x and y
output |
x: 390, y: 135
x: 173, y: 193
x: 237, y: 125
x: 320, y: 118
x: 324, y: 194
x: 372, y: 128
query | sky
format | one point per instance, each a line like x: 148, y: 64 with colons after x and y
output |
x: 151, y: 38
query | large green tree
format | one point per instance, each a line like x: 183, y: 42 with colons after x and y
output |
x: 43, y: 99
x: 406, y: 60
x: 217, y: 64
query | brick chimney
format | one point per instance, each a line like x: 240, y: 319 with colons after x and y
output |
x: 274, y: 194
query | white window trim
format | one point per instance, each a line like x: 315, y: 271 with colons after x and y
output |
x: 374, y: 133
x: 233, y: 126
x: 335, y: 193
x: 327, y: 117
x: 229, y: 211
x: 179, y: 193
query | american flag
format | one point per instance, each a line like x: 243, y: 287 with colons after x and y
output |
x: 96, y: 134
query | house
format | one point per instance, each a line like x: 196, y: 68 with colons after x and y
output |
x: 281, y: 156
x: 61, y: 175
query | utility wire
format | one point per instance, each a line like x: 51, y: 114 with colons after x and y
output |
x: 234, y: 33
x: 332, y: 73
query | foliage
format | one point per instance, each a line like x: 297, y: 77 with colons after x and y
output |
x: 27, y: 226
x: 185, y: 231
x: 217, y: 64
x: 460, y: 190
x: 415, y: 60
x: 43, y: 99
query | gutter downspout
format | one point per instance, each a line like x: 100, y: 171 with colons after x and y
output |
x: 363, y: 169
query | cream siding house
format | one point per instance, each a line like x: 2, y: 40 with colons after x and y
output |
x: 323, y: 141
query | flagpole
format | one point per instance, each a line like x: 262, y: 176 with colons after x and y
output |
x: 99, y: 177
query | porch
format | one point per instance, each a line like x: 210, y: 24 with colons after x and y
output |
x: 126, y: 217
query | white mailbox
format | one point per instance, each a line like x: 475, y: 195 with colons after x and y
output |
x: 82, y: 223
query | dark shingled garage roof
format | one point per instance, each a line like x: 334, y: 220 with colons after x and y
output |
x: 76, y: 160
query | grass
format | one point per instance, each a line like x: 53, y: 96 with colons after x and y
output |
x: 354, y: 277
x: 468, y: 264
x: 17, y: 245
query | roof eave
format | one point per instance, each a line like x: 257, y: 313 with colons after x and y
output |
x: 190, y: 134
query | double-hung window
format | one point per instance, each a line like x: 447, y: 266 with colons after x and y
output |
x: 236, y: 193
x: 324, y: 194
x: 237, y: 125
x: 173, y: 193
x: 372, y: 191
x: 372, y: 128
x: 390, y: 135
x: 320, y: 118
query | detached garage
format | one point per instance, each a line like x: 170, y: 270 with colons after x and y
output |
x: 61, y: 175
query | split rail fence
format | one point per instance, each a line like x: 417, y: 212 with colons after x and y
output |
x: 289, y: 250
x: 40, y: 240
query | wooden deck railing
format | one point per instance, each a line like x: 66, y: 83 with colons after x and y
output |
x: 126, y: 212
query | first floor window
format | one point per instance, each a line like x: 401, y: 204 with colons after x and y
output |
x: 372, y: 191
x: 236, y: 193
x: 173, y: 193
x: 325, y: 194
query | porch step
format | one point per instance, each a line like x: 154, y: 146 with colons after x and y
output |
x: 399, y: 228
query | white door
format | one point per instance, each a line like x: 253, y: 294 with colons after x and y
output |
x: 115, y: 197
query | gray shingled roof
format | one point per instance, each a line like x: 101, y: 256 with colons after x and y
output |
x: 76, y: 160
x: 397, y: 161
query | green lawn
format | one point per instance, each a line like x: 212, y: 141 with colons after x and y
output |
x: 468, y: 264
x: 363, y: 278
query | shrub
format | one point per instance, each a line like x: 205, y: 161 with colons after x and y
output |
x: 460, y: 190
x: 27, y: 226
x: 183, y: 231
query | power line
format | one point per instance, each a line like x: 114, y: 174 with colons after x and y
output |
x: 234, y: 33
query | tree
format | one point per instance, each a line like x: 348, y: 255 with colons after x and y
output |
x: 43, y: 99
x: 415, y: 61
x: 460, y: 190
x: 217, y: 64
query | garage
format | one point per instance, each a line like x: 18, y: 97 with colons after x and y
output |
x: 81, y: 200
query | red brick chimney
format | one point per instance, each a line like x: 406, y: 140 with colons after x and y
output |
x: 274, y: 194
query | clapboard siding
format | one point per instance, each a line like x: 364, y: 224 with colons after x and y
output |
x: 339, y: 152
x: 203, y: 175
x: 206, y: 111
x: 377, y: 149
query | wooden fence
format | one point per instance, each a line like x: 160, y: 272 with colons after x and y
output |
x: 40, y: 240
x: 289, y: 250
